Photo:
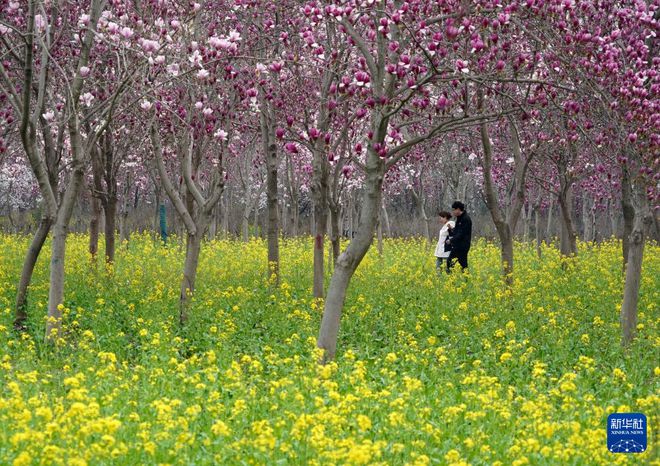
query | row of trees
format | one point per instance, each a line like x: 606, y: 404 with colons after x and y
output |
x: 529, y: 100
x: 406, y: 212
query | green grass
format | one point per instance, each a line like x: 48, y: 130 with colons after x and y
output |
x: 430, y: 369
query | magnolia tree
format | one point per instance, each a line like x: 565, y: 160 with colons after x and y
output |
x: 18, y: 190
x: 193, y: 94
x: 506, y: 168
x: 422, y: 174
x: 609, y: 49
x: 115, y: 172
x: 352, y: 102
x: 439, y: 64
x: 52, y: 78
x: 417, y: 62
x: 321, y: 127
x: 246, y: 173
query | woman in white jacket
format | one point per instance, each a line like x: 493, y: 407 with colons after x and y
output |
x: 442, y: 254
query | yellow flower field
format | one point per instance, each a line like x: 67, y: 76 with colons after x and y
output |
x: 430, y: 369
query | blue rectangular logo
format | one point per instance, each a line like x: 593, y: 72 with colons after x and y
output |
x: 626, y: 433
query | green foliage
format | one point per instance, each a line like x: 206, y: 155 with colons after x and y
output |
x: 431, y: 368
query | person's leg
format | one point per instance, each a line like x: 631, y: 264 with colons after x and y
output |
x: 463, y: 260
x: 438, y: 263
x: 443, y: 264
x: 450, y: 261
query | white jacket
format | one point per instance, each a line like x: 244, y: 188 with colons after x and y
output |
x: 443, y: 235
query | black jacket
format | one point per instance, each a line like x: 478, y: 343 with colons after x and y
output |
x: 461, y: 234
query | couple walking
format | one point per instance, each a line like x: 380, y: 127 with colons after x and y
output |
x: 454, y: 239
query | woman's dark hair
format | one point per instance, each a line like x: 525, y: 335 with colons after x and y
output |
x: 444, y: 214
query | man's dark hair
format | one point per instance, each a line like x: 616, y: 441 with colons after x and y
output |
x: 444, y: 214
x: 458, y: 205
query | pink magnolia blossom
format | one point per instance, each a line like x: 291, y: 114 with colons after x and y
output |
x: 40, y: 22
x: 462, y: 66
x: 126, y: 32
x: 83, y: 21
x: 149, y: 46
x: 113, y: 27
x: 276, y: 67
x: 221, y: 134
x: 87, y: 99
x: 362, y: 78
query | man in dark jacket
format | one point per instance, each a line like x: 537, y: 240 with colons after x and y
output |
x: 460, y: 237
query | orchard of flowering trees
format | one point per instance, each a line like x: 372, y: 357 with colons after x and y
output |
x: 330, y: 118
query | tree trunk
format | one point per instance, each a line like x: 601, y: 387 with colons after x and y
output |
x: 506, y: 238
x: 386, y: 220
x: 568, y: 244
x: 26, y: 275
x: 351, y: 221
x: 123, y: 226
x: 641, y: 227
x: 295, y: 216
x: 420, y: 203
x: 110, y: 208
x: 10, y: 216
x: 379, y: 235
x: 225, y: 216
x: 613, y: 221
x: 594, y: 231
x: 537, y: 229
x: 56, y: 289
x: 425, y: 220
x: 586, y: 225
x: 504, y: 228
x: 349, y: 260
x: 258, y: 232
x: 335, y: 234
x: 273, y: 220
x: 319, y: 191
x: 320, y: 227
x: 213, y: 225
x: 57, y: 257
x: 245, y: 225
x: 124, y: 230
x: 94, y: 227
x: 284, y: 215
x: 270, y: 149
x: 548, y: 229
x: 193, y: 247
x: 528, y: 222
x: 628, y: 210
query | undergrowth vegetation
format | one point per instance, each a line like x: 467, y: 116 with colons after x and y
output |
x: 430, y: 369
